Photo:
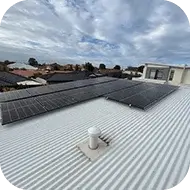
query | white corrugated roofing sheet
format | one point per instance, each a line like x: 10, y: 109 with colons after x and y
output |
x: 148, y: 149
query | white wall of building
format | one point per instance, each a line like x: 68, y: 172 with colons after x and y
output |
x: 177, y: 78
x: 181, y: 75
x: 186, y: 78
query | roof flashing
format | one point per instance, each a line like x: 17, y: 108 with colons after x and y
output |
x: 91, y: 154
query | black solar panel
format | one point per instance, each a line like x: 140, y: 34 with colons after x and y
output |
x: 42, y: 90
x: 55, y: 101
x: 90, y: 92
x: 20, y: 109
x: 81, y: 94
x: 14, y: 95
x: 36, y: 91
x: 130, y: 91
x: 47, y: 98
x: 80, y: 83
x: 143, y: 95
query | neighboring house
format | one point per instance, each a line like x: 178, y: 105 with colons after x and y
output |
x: 29, y: 83
x: 111, y: 73
x: 24, y: 73
x: 40, y: 80
x: 22, y: 66
x: 95, y: 75
x: 163, y: 73
x: 11, y: 77
x: 131, y: 72
x: 11, y: 80
x: 58, y: 77
x: 138, y: 149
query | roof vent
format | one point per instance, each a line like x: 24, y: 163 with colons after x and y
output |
x: 94, y: 133
x: 93, y: 146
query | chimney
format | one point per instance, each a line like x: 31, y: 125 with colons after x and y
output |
x: 94, y: 133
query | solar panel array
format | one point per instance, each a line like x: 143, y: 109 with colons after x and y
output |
x: 142, y: 96
x: 37, y: 91
x: 18, y: 105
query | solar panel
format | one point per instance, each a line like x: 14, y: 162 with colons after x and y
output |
x: 14, y: 95
x: 80, y: 83
x: 82, y: 94
x: 90, y: 92
x: 142, y: 96
x: 129, y: 91
x: 20, y: 109
x: 55, y: 101
x: 36, y: 91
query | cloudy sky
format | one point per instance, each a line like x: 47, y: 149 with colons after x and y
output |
x: 125, y: 32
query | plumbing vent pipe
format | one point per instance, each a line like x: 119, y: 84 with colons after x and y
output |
x: 94, y: 133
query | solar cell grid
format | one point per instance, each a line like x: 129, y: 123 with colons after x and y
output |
x: 55, y: 101
x: 142, y: 96
x: 14, y: 95
x: 20, y: 109
x: 39, y: 90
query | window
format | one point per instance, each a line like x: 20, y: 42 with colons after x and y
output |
x: 152, y: 74
x: 171, y: 75
x: 159, y: 75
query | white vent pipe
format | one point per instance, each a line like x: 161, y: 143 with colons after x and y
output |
x: 94, y: 133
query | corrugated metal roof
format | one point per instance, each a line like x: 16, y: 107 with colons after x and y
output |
x: 148, y: 150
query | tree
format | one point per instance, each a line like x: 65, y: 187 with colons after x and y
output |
x: 141, y: 68
x: 117, y: 67
x: 102, y: 66
x: 89, y: 67
x: 76, y: 67
x: 33, y: 62
x: 70, y: 67
x: 7, y: 62
x: 55, y: 66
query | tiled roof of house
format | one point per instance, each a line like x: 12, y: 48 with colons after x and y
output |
x: 25, y: 73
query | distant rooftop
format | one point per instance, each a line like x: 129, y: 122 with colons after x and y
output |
x: 22, y: 65
x: 65, y: 77
x: 11, y: 78
x: 169, y: 65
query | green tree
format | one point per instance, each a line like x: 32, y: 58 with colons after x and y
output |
x: 89, y: 67
x: 33, y: 62
x: 117, y: 67
x: 102, y: 66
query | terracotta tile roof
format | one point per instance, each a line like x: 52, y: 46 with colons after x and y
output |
x: 25, y: 73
